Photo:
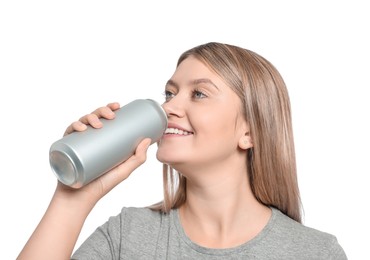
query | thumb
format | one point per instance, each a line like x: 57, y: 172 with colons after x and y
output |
x: 139, y: 157
x: 123, y: 171
x: 142, y: 148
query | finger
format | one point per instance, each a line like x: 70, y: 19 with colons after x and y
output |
x: 91, y: 119
x: 122, y: 171
x: 142, y: 148
x: 75, y: 126
x: 106, y: 112
x: 140, y: 155
x: 114, y: 106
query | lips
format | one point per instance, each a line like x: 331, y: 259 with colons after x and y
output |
x: 177, y: 130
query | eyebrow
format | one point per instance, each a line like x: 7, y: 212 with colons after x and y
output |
x: 193, y: 82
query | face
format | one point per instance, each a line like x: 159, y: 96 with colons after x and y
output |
x: 205, y: 122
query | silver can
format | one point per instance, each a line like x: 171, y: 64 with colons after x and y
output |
x: 80, y: 157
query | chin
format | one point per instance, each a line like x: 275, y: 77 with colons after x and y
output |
x: 164, y: 159
x: 165, y: 154
x: 162, y: 156
x: 168, y: 158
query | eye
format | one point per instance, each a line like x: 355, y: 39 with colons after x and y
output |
x: 168, y: 95
x: 197, y: 94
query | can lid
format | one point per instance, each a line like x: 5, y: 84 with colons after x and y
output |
x: 161, y: 111
x: 63, y: 167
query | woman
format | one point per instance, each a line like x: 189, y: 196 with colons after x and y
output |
x: 230, y: 185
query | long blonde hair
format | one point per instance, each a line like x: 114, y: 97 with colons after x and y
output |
x: 271, y: 161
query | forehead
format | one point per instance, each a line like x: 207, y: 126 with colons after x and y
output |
x: 192, y: 69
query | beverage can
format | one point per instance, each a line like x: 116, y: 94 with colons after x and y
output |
x: 80, y: 157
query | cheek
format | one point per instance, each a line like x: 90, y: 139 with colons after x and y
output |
x: 216, y: 127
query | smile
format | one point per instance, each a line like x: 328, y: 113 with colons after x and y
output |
x: 177, y: 131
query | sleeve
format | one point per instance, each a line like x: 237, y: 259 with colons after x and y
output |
x: 103, y: 243
x: 337, y: 251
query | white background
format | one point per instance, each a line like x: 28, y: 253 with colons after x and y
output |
x: 62, y: 59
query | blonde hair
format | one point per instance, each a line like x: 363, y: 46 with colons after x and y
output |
x: 271, y: 161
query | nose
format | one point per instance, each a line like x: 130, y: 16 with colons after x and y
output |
x: 174, y: 107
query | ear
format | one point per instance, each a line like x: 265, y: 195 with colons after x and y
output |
x: 245, y: 142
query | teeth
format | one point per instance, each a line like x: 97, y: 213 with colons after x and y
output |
x: 176, y: 131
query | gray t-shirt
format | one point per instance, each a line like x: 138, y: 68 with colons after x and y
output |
x: 140, y: 233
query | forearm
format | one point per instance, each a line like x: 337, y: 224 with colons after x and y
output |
x: 57, y: 233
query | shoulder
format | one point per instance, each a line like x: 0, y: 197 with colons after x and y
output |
x: 298, y: 231
x: 144, y: 220
x: 298, y: 237
x: 131, y: 231
x: 132, y: 219
x: 141, y: 215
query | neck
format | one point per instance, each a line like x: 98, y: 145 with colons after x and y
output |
x: 222, y: 211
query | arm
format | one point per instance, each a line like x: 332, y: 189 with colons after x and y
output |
x: 57, y: 233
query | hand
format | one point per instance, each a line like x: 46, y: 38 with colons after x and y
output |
x: 102, y: 185
x: 92, y: 119
x: 58, y: 230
